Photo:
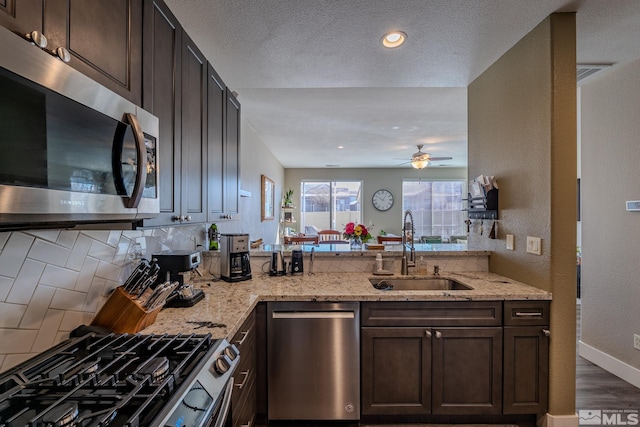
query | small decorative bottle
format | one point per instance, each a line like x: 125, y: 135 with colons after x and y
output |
x: 214, y: 238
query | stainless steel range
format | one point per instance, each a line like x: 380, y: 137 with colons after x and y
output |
x: 122, y: 380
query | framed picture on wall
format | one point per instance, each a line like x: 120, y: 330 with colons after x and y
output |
x: 267, y: 199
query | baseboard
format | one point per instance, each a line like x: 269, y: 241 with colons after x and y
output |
x: 549, y: 420
x: 609, y: 363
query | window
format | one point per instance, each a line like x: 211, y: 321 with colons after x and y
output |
x: 436, y: 207
x: 330, y: 204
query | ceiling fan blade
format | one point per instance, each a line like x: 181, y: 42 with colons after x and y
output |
x: 439, y: 158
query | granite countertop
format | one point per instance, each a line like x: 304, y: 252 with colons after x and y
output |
x: 226, y: 305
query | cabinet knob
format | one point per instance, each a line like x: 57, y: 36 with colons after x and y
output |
x: 176, y: 218
x: 427, y: 334
x: 187, y: 218
x: 546, y: 332
x: 438, y: 334
x: 37, y: 38
x: 62, y: 54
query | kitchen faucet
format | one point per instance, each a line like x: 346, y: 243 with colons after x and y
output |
x: 411, y: 262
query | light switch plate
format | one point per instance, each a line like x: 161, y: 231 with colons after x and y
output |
x: 510, y: 242
x: 534, y: 245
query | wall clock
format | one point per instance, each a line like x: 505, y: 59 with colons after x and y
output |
x: 382, y: 200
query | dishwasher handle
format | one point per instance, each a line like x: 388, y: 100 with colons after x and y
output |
x: 328, y: 314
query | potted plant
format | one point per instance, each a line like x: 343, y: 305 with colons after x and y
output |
x: 288, y: 198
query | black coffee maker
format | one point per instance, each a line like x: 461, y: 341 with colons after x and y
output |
x: 235, y: 265
x: 176, y: 266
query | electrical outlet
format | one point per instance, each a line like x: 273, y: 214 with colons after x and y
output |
x: 534, y: 245
x: 636, y: 341
x: 510, y: 242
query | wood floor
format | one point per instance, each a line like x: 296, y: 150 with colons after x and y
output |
x: 597, y: 389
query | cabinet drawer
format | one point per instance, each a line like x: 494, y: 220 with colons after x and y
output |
x: 246, y: 333
x: 432, y: 313
x: 243, y: 412
x: 526, y: 313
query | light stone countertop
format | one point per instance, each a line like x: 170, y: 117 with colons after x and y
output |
x: 226, y: 305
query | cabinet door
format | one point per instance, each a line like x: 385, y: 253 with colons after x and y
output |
x: 216, y: 99
x: 396, y: 371
x: 467, y: 370
x: 232, y: 155
x: 526, y: 369
x: 194, y: 141
x: 162, y: 97
x: 104, y: 39
x: 22, y: 16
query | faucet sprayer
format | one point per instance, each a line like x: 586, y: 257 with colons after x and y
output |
x: 411, y: 262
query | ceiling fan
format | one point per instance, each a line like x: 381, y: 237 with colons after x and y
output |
x: 420, y: 159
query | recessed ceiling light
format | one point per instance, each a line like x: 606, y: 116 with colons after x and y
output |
x: 340, y: 147
x: 394, y: 39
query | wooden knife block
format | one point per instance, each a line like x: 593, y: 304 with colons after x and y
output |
x: 122, y: 314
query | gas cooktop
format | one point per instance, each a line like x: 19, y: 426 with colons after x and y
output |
x: 116, y: 380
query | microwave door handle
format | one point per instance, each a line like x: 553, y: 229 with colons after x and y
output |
x: 141, y: 164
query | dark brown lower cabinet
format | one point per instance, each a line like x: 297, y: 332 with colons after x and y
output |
x: 435, y: 361
x: 243, y: 399
x: 466, y: 371
x: 526, y: 369
x: 396, y: 371
x: 423, y: 358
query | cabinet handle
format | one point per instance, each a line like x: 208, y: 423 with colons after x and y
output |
x: 244, y: 334
x: 528, y: 314
x: 546, y: 332
x: 250, y: 423
x: 438, y: 334
x: 427, y: 334
x: 246, y: 376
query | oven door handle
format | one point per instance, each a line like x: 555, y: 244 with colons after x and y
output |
x: 141, y: 165
x: 221, y: 418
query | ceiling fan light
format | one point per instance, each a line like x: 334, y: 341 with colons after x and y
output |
x: 419, y: 162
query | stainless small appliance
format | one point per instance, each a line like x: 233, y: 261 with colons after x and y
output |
x: 72, y: 150
x: 174, y: 266
x: 235, y: 264
x: 122, y: 380
x: 297, y: 261
x: 277, y: 267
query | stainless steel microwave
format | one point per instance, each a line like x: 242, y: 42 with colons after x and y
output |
x: 71, y: 150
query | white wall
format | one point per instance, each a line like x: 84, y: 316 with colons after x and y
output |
x: 256, y: 160
x: 610, y: 106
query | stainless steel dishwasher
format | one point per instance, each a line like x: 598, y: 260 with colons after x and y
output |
x: 313, y: 360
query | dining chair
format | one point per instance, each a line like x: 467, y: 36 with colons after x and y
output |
x: 330, y: 237
x: 300, y: 240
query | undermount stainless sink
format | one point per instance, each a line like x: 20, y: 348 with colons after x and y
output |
x: 419, y: 284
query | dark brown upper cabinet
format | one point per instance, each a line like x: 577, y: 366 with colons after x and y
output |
x: 104, y: 38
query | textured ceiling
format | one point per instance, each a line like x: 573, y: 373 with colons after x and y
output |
x: 312, y: 74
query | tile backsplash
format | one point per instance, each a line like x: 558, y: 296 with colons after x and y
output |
x: 52, y: 281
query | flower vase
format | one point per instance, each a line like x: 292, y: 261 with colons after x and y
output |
x: 356, y: 244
